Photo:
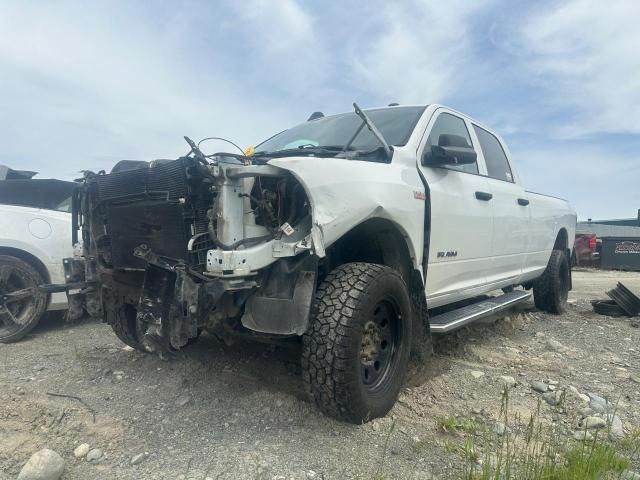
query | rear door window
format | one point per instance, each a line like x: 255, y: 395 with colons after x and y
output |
x: 494, y: 156
x: 447, y: 124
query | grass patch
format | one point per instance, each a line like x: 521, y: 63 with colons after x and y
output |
x: 534, y: 450
x: 453, y: 424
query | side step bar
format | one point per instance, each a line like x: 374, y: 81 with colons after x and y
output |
x: 449, y: 321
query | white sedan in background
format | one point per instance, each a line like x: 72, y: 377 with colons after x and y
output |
x: 35, y: 235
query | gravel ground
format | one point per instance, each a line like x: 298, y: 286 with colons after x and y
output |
x: 240, y: 411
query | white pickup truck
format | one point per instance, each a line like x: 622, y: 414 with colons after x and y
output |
x: 361, y: 233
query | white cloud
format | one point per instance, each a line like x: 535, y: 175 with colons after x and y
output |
x: 85, y: 88
x: 584, y: 56
x: 417, y: 52
x: 281, y: 26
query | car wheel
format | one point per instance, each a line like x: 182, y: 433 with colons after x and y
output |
x: 127, y: 328
x: 551, y: 290
x: 21, y: 303
x: 356, y: 349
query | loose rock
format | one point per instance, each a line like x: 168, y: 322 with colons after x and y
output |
x: 43, y: 465
x: 594, y: 422
x: 552, y: 398
x: 81, y: 450
x: 599, y: 404
x: 539, y: 387
x: 137, y: 459
x: 585, y: 412
x: 477, y: 373
x: 508, y: 381
x: 182, y: 400
x: 629, y: 475
x: 555, y: 346
x: 616, y: 430
x: 501, y: 428
x: 583, y: 435
x: 94, y: 455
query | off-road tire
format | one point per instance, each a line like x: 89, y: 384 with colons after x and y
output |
x: 551, y: 290
x: 125, y: 326
x: 33, y: 309
x: 345, y: 304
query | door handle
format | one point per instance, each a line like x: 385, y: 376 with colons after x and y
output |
x: 484, y: 196
x: 523, y: 201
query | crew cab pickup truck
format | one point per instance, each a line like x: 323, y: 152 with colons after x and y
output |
x: 361, y: 234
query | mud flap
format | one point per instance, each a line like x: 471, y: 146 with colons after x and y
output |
x: 282, y: 306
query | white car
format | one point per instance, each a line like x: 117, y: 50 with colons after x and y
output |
x: 35, y: 235
x: 361, y: 234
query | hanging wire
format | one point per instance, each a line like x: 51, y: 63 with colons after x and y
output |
x: 222, y: 140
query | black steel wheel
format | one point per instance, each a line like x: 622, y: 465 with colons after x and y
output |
x: 356, y: 350
x: 381, y: 338
x: 21, y: 303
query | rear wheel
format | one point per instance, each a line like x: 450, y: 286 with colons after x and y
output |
x: 356, y: 350
x: 551, y: 290
x: 21, y: 303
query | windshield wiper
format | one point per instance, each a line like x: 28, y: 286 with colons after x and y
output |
x: 301, y: 150
x: 372, y: 128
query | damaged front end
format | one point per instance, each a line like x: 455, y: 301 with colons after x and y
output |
x: 171, y: 248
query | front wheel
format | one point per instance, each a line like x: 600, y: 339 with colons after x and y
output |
x: 551, y: 290
x: 127, y: 328
x: 356, y: 349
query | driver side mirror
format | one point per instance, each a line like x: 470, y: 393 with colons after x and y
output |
x: 451, y: 150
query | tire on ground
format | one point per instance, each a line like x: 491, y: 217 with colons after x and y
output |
x: 340, y: 345
x: 20, y: 274
x: 551, y: 290
x: 125, y: 326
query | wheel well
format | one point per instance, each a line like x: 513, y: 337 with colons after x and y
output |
x: 381, y: 241
x: 376, y: 241
x: 30, y: 259
x: 562, y: 240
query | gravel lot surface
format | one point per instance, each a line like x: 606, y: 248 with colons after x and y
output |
x: 240, y: 412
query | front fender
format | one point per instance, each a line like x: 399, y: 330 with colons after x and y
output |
x: 344, y: 193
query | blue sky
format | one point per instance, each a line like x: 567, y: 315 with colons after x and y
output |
x: 84, y: 84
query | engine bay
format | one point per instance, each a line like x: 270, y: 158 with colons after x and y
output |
x: 186, y: 245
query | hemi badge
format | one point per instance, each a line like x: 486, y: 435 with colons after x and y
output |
x: 418, y: 195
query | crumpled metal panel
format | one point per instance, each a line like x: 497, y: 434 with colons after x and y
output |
x: 344, y: 193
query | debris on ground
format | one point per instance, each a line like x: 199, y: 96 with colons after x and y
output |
x: 623, y: 302
x: 240, y: 411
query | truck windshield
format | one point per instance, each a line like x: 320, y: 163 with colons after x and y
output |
x: 395, y: 124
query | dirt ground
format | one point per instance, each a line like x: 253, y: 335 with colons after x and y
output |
x: 240, y: 412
